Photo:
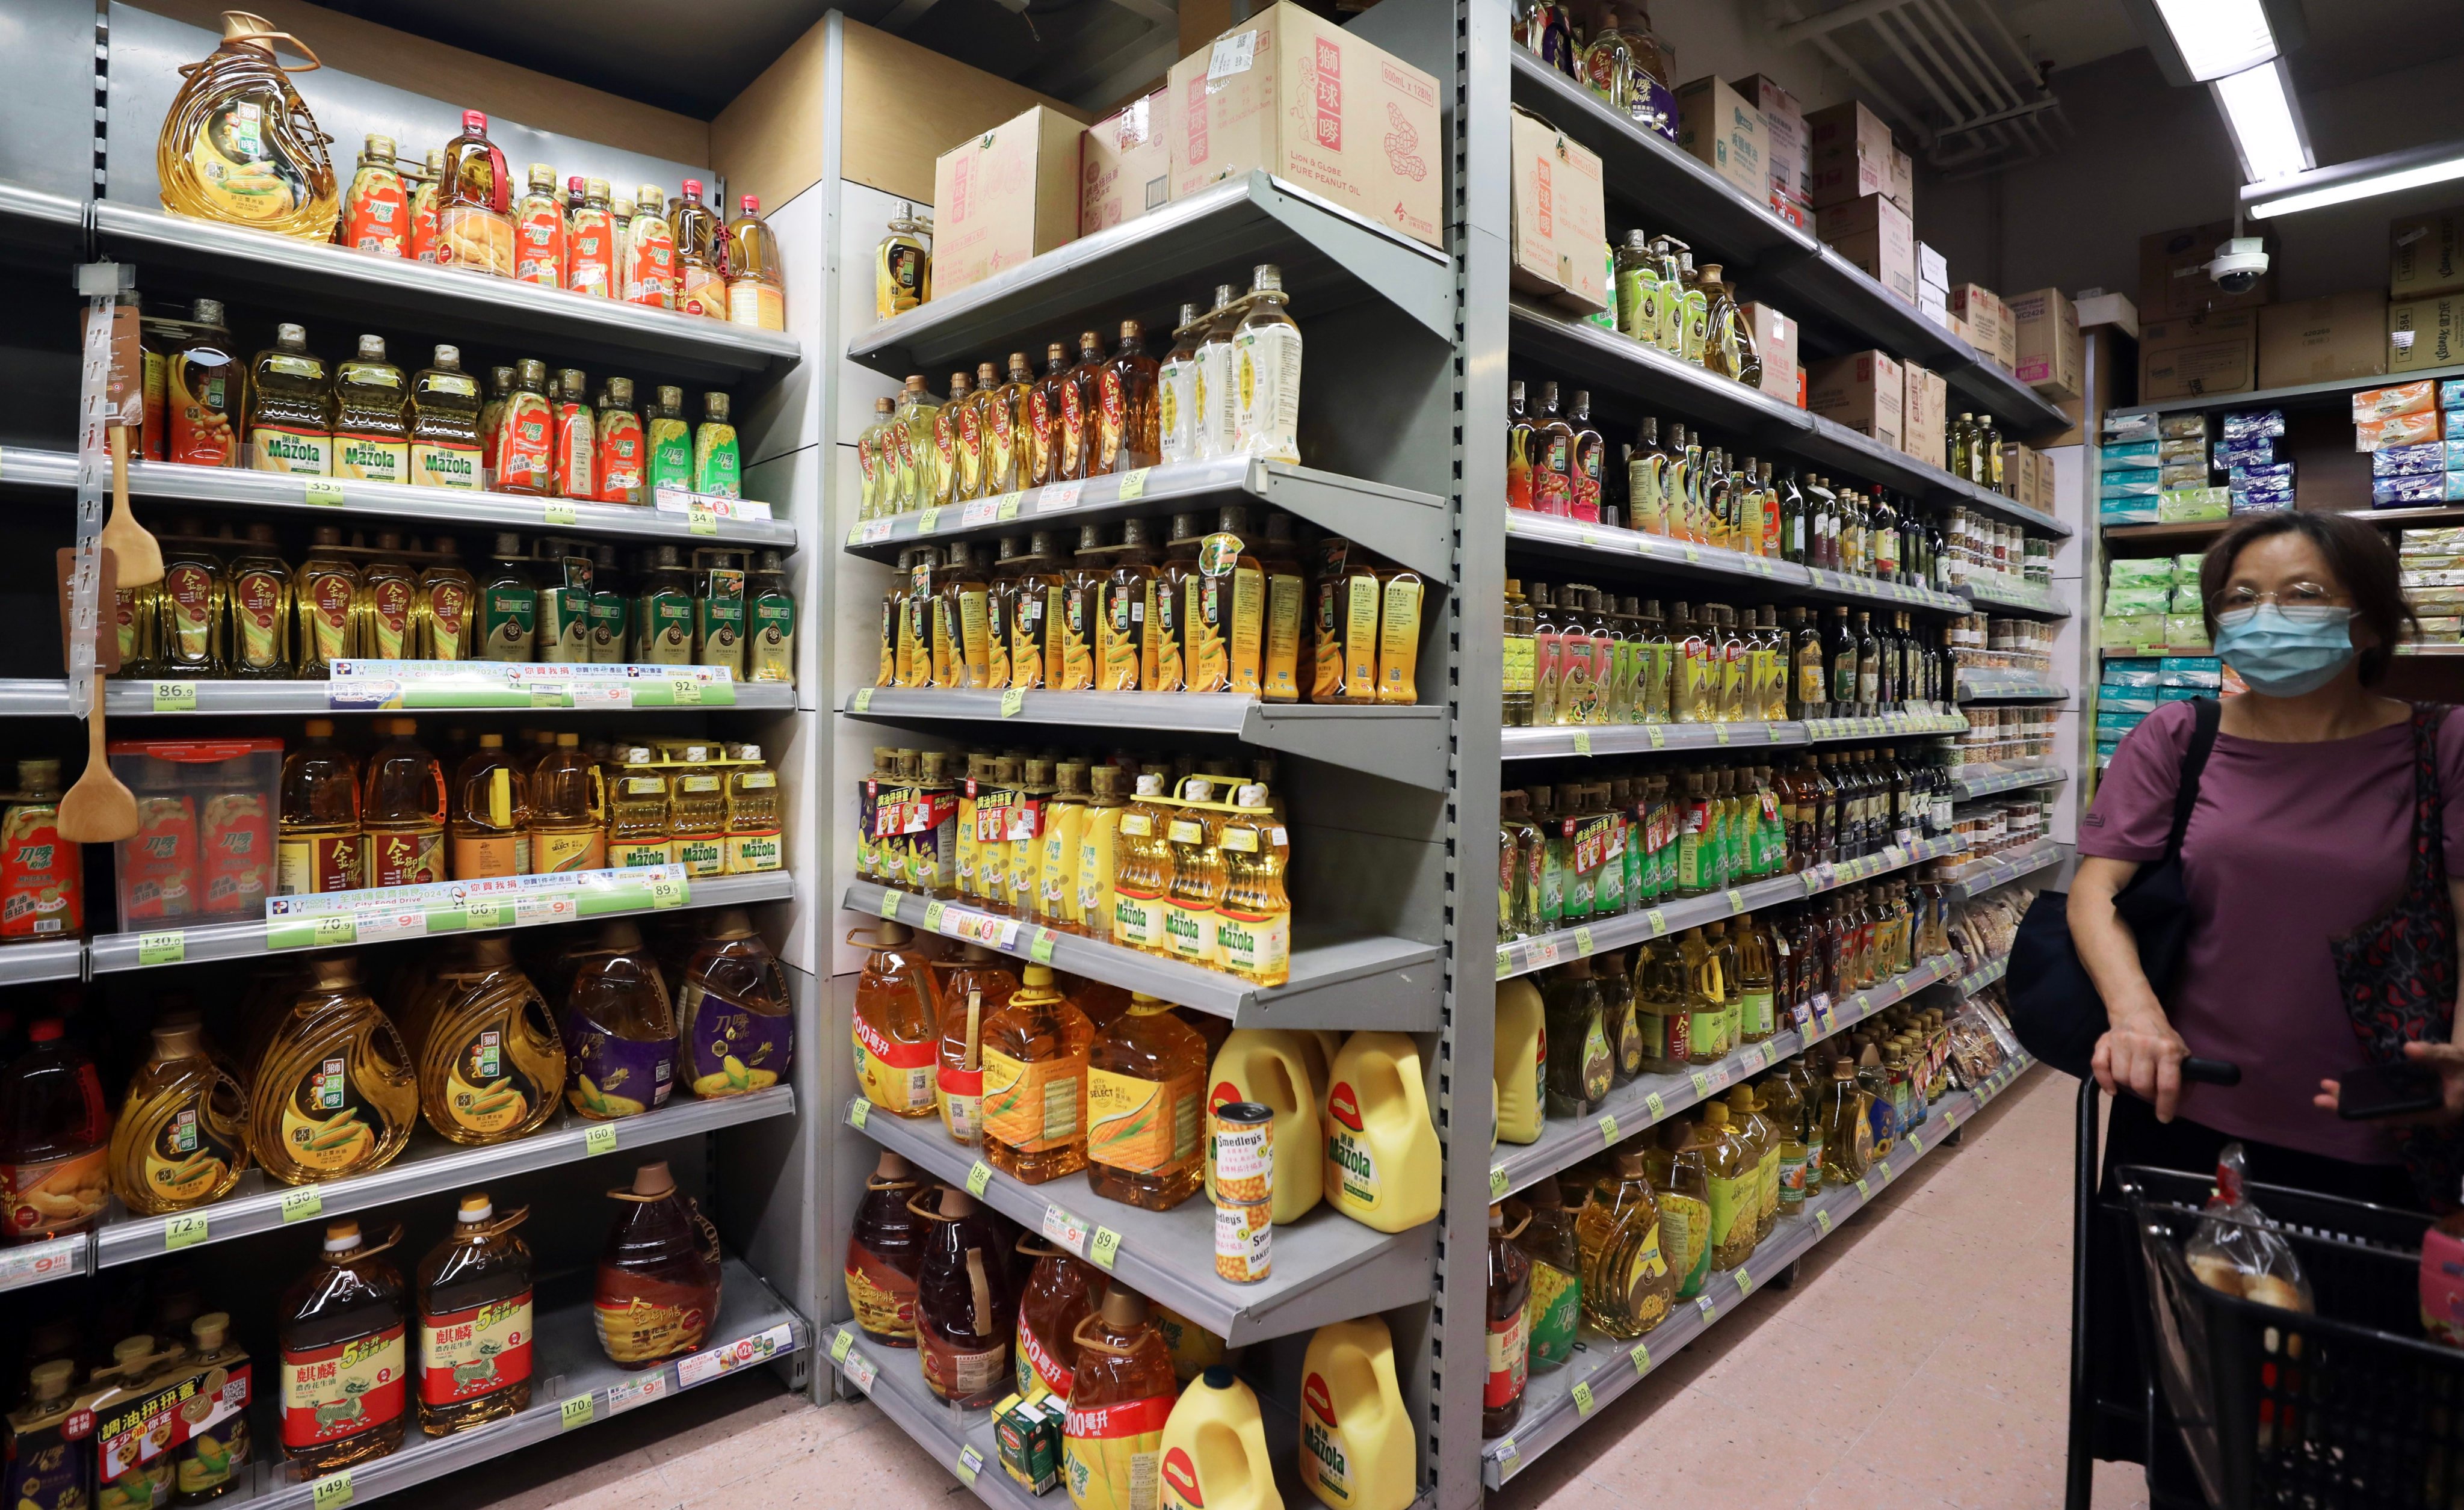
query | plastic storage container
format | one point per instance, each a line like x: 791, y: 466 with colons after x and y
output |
x: 206, y: 816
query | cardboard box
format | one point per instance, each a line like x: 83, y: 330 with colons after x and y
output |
x: 1559, y: 218
x: 1775, y: 341
x: 1724, y: 129
x: 2174, y: 273
x: 1901, y: 188
x: 1990, y: 329
x: 2426, y: 333
x: 1864, y: 390
x: 2425, y: 253
x: 1003, y: 197
x: 2320, y: 340
x: 1125, y: 164
x: 2198, y: 354
x: 2050, y: 358
x: 1787, y: 154
x: 1311, y: 101
x: 1924, y: 423
x: 2109, y: 308
x: 1933, y: 267
x: 1797, y: 211
x: 1877, y: 237
x: 1851, y: 154
x: 1934, y: 304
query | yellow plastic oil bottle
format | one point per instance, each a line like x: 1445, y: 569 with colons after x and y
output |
x: 1356, y: 1450
x: 1215, y: 1448
x: 1254, y: 915
x: 1143, y: 858
x: 182, y: 1137
x: 1382, y: 1161
x: 638, y: 831
x: 333, y: 1094
x: 1522, y: 1060
x: 490, y: 1061
x: 1026, y: 824
x: 402, y: 811
x: 1270, y: 1067
x: 1098, y: 839
x: 1192, y: 921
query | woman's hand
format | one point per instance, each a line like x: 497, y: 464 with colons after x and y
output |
x: 2141, y: 1054
x: 2445, y: 1059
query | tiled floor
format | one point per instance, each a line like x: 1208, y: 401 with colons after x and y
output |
x: 1918, y: 1362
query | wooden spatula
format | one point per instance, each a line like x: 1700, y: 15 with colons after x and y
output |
x: 140, y: 555
x: 98, y: 810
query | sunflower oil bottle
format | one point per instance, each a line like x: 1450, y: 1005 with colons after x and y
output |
x: 182, y: 1135
x: 240, y: 146
x: 1382, y: 1162
x: 1356, y: 1447
x: 733, y: 1017
x: 339, y: 1328
x: 1035, y: 1081
x: 1254, y: 914
x: 1121, y: 1393
x: 475, y: 1321
x: 895, y: 1025
x: 333, y: 1093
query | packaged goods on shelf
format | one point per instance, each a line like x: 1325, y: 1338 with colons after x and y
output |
x: 1558, y: 216
x: 2131, y: 629
x: 2129, y: 427
x: 205, y: 841
x: 1127, y: 164
x: 2127, y: 571
x: 2186, y: 504
x: 2425, y: 333
x: 43, y: 881
x: 2408, y: 491
x: 2396, y: 430
x: 1629, y: 67
x: 2408, y: 461
x: 2395, y: 401
x: 1716, y: 125
x: 1003, y: 197
x: 2172, y: 670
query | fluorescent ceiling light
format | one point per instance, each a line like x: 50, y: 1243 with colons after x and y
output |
x: 2365, y: 187
x: 2258, y: 106
x: 2218, y: 37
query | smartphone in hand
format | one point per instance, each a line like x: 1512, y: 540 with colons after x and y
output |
x: 2387, y: 1090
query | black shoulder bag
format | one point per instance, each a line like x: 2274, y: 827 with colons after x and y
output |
x: 2054, y: 1007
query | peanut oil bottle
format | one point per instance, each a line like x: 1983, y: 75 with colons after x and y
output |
x: 1072, y: 636
x: 1007, y: 450
x: 976, y: 986
x: 320, y: 845
x: 322, y: 592
x: 540, y: 248
x: 1266, y: 373
x: 383, y: 612
x: 1224, y: 612
x: 1098, y: 838
x: 1064, y: 832
x: 181, y: 1136
x: 475, y: 207
x: 344, y: 1363
x: 896, y: 1027
x: 961, y: 628
x: 590, y: 243
x: 617, y: 432
x: 1146, y: 1095
x: 287, y: 425
x: 757, y: 275
x: 1254, y: 915
x: 443, y: 624
x: 490, y: 815
x: 259, y: 599
x: 574, y: 465
x: 476, y: 1317
x: 427, y: 186
x: 1120, y: 656
x: 1398, y: 637
x: 525, y: 443
x: 1144, y: 857
x: 444, y: 449
x: 402, y: 811
x: 1035, y: 1081
x: 1029, y: 609
x: 333, y: 1092
x: 1191, y: 923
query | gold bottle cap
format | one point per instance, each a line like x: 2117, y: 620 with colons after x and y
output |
x: 542, y: 177
x: 51, y: 1380
x: 890, y: 1167
x: 341, y: 1236
x: 475, y: 1208
x: 653, y: 1179
x: 732, y: 923
x: 1124, y: 1309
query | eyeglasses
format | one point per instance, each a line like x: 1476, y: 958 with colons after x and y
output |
x: 2302, y: 601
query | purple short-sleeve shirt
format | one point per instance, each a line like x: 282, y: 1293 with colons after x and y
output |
x: 2289, y: 846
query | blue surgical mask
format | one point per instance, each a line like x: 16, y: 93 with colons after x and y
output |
x: 2284, y: 654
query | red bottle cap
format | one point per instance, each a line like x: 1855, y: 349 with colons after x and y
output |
x: 752, y: 205
x: 574, y: 183
x: 474, y: 123
x: 46, y: 1030
x: 693, y: 186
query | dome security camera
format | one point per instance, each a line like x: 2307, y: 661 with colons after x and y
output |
x: 2240, y: 264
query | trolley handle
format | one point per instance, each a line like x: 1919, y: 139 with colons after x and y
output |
x: 2211, y: 1071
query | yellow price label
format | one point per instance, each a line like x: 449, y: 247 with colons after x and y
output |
x: 1582, y: 741
x: 1041, y: 951
x: 1916, y: 1145
x: 573, y: 1413
x: 1659, y: 736
x: 1013, y: 698
x: 325, y: 493
x: 1745, y: 1281
x: 699, y: 520
x: 1736, y: 900
x: 331, y: 1492
x: 1641, y: 1356
x: 684, y: 691
x: 927, y: 522
x: 1008, y: 509
x: 1133, y: 484
x: 302, y: 1204
x: 1658, y: 1107
x: 1582, y: 941
x: 969, y: 1463
x: 979, y: 1176
x: 1505, y: 962
x: 839, y: 1344
x: 1884, y: 1165
x: 889, y: 904
x: 1497, y: 1182
x: 1710, y: 1309
x: 1864, y: 1191
x: 599, y: 1139
x: 560, y: 512
x: 334, y: 929
x: 186, y: 1230
x: 862, y: 701
x: 859, y: 1112
x: 162, y: 948
x: 933, y: 915
x: 1582, y: 1399
x: 1657, y: 920
x: 1106, y: 1247
x: 1822, y: 1220
x: 1702, y: 1083
x: 1508, y: 1457
x: 1693, y: 555
x: 667, y: 891
x: 1608, y: 1129
x: 175, y: 697
x: 1720, y: 733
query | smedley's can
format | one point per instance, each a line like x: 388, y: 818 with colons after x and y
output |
x: 1240, y: 1145
x: 1243, y: 1231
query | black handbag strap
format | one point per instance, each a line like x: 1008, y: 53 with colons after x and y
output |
x: 2207, y: 713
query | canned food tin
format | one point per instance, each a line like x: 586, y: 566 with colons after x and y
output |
x: 1242, y: 1233
x: 1241, y: 1141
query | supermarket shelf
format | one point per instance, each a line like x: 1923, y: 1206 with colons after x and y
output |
x: 208, y: 941
x: 1986, y: 780
x: 583, y: 330
x: 1552, y: 741
x: 1410, y: 527
x: 1597, y: 544
x: 1982, y: 976
x: 1352, y: 983
x: 428, y: 1166
x: 244, y: 488
x: 124, y: 697
x: 2429, y: 650
x: 2195, y: 532
x: 2336, y: 394
x: 33, y: 220
x: 2203, y: 652
x: 1995, y: 685
x: 2035, y: 602
x: 42, y: 959
x: 1326, y: 1267
x: 1525, y: 955
x: 41, y: 1262
x: 1143, y: 268
x: 1981, y: 876
x: 753, y: 1326
x: 1404, y: 744
x: 1575, y: 349
x: 1649, y: 1100
x: 1889, y: 726
x: 960, y: 1440
x: 1606, y: 1368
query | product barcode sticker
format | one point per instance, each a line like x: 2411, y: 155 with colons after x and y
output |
x: 299, y: 1205
x: 328, y: 494
x: 862, y: 701
x: 1608, y: 1129
x: 1659, y: 736
x: 934, y: 912
x: 859, y: 1112
x: 1641, y: 1356
x: 1711, y: 1312
x: 1133, y: 484
x: 1658, y: 1107
x: 1055, y: 496
x: 1582, y: 942
x: 1822, y: 1219
x: 1497, y: 1182
x: 162, y: 948
x: 334, y: 929
x: 1066, y: 1228
x: 1013, y: 698
x: 970, y: 1461
x: 1582, y: 741
x: 927, y: 522
x: 860, y: 1372
x: 1582, y: 1393
x: 840, y: 1344
x: 978, y: 1175
x: 576, y: 1412
x: 331, y: 1492
x: 599, y: 1138
x: 558, y: 512
x: 1105, y: 1248
x: 175, y: 697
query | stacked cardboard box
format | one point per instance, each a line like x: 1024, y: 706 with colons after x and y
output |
x: 1933, y: 285
x: 2045, y: 332
x: 1725, y: 129
x: 1989, y: 325
x: 1864, y: 390
x: 2426, y: 290
x: 2430, y: 565
x: 1788, y: 151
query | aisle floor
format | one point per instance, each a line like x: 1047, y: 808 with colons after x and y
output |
x: 1920, y: 1357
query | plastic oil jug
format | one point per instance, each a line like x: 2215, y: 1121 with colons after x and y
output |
x: 474, y: 1322
x: 53, y: 1138
x: 619, y: 1028
x: 1035, y: 1081
x: 1214, y: 1449
x: 659, y: 1282
x: 1381, y: 1150
x: 885, y: 1246
x: 490, y: 1061
x: 1522, y: 1060
x: 344, y: 1362
x: 894, y: 1022
x: 333, y: 1094
x: 733, y: 1016
x: 1356, y: 1448
x: 1272, y: 1067
x: 966, y: 1303
x: 181, y: 1138
x: 1112, y: 1438
x: 1061, y: 1292
x: 974, y: 987
x: 239, y: 145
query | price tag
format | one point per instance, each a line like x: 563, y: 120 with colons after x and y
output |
x: 685, y: 691
x: 1057, y: 496
x: 978, y: 1175
x: 1497, y: 1182
x: 601, y: 1136
x: 1588, y: 540
x: 337, y: 929
x: 1864, y: 1191
x: 1508, y: 1459
x: 1582, y: 1399
x: 1693, y: 557
x: 859, y: 1112
x: 1608, y: 1129
x: 1745, y: 1281
x: 927, y: 522
x: 1711, y: 1311
x: 1736, y: 900
x: 1655, y: 1105
x: 1865, y: 1005
x: 869, y: 532
x: 1505, y: 962
x: 862, y: 701
x: 1950, y: 1118
x: 933, y: 912
x: 1066, y: 1228
x: 1641, y: 1356
x: 325, y: 493
x: 175, y: 697
x: 1702, y: 1083
x: 1813, y: 883
x: 1659, y: 736
x: 560, y: 512
x: 1013, y: 698
x: 1582, y: 741
x: 1884, y: 1165
x: 1041, y: 951
x: 860, y: 1372
x: 969, y: 1462
x: 840, y: 1344
x: 1916, y: 1145
x: 576, y: 1412
x: 1008, y: 509
x: 1657, y: 920
x: 1822, y: 1220
x: 1582, y: 942
x: 331, y: 1492
x: 1105, y: 1248
x: 1133, y: 484
x: 1720, y: 733
x: 699, y: 520
x: 299, y: 1205
x: 669, y: 890
x: 162, y: 948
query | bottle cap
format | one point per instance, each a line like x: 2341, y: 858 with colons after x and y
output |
x: 1124, y: 1309
x: 509, y: 543
x: 372, y: 348
x: 474, y: 123
x: 574, y: 184
x: 653, y: 1179
x: 292, y: 338
x: 47, y: 1030
x: 341, y: 1236
x: 692, y: 189
x: 51, y: 1380
x: 594, y: 188
x: 752, y: 205
x: 543, y: 176
x: 890, y: 1167
x: 1217, y: 1376
x: 475, y: 1208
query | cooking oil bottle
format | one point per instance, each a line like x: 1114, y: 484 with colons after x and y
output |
x: 659, y: 1275
x: 902, y: 275
x: 287, y: 426
x: 1120, y: 1396
x: 619, y: 1029
x: 259, y: 597
x: 698, y: 814
x: 1356, y: 1443
x: 663, y: 611
x: 895, y: 1025
x: 754, y: 813
x: 1146, y: 1108
x: 1215, y: 1447
x: 1544, y: 1231
x: 1381, y: 1148
x: 1191, y: 921
x: 508, y: 617
x: 321, y: 846
x: 1035, y: 1081
x: 323, y: 591
x: 474, y: 1322
x: 401, y: 810
x: 1253, y: 915
x: 756, y: 279
x: 333, y: 1094
x: 734, y: 1018
x: 340, y: 1327
x: 1762, y: 1137
x: 1098, y: 844
x: 490, y: 1061
x: 668, y: 436
x: 885, y: 1246
x: 239, y: 145
x: 649, y: 251
x: 1144, y: 857
x: 1064, y: 832
x: 638, y: 832
x: 182, y: 1137
x: 475, y: 221
x: 770, y: 623
x: 1522, y: 1056
x: 1627, y: 1286
x: 371, y: 428
x: 442, y: 625
x: 191, y: 607
x: 1060, y: 1293
x: 490, y: 815
x: 381, y: 613
x: 525, y: 433
x: 1730, y: 1162
x: 206, y: 1467
x: 568, y: 811
x: 977, y: 986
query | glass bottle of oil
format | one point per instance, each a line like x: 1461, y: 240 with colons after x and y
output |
x: 371, y: 424
x: 896, y: 1028
x: 182, y: 1137
x: 322, y: 592
x: 259, y: 599
x: 1627, y: 1283
x: 1254, y: 915
x: 902, y: 267
x: 403, y: 809
x: 333, y: 1093
x: 1146, y: 1106
x: 442, y: 625
x: 474, y: 1322
x: 1035, y: 1052
x: 1191, y: 921
x: 734, y: 1017
x: 239, y: 144
x: 319, y: 847
x: 287, y: 425
x: 340, y: 1327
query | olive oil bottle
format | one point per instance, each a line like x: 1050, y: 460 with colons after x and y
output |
x: 718, y: 611
x: 770, y: 623
x: 663, y: 611
x: 508, y: 620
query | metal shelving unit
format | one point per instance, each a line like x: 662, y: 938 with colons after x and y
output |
x: 1981, y: 876
x: 42, y: 959
x: 41, y: 1262
x: 2003, y: 595
x: 1602, y: 545
x: 1555, y: 741
x: 2303, y: 396
x: 1981, y: 686
x: 1982, y: 976
x: 36, y: 698
x: 1986, y: 781
x: 1603, y: 1368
